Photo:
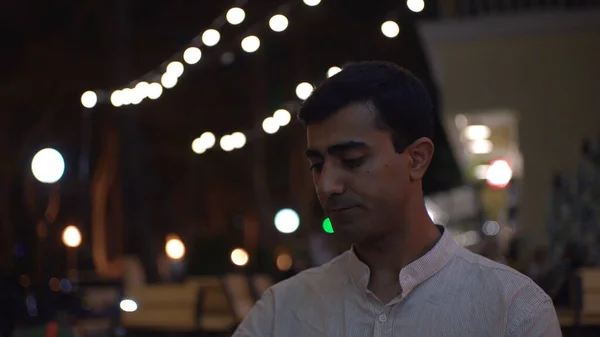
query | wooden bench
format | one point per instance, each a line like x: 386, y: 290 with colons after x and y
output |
x: 585, y: 295
x: 163, y: 307
x: 240, y: 295
x: 201, y: 303
x: 214, y: 308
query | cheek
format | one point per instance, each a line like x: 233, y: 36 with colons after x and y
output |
x: 389, y: 183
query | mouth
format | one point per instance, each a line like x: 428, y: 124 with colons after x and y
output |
x: 341, y: 209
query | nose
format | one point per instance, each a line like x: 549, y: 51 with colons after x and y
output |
x: 329, y: 182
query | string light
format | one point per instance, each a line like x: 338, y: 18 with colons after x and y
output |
x: 142, y: 89
x: 168, y: 80
x: 282, y: 117
x: 278, y: 23
x: 89, y: 99
x: 211, y: 37
x: 235, y: 16
x: 303, y: 90
x: 197, y: 146
x: 390, y: 29
x: 227, y: 143
x: 270, y: 125
x: 250, y: 44
x: 136, y: 98
x: 116, y: 98
x: 126, y: 95
x: 206, y: 141
x: 154, y: 90
x: 333, y: 70
x: 238, y: 140
x: 192, y: 55
x: 175, y: 69
x: 311, y: 3
x: 415, y: 5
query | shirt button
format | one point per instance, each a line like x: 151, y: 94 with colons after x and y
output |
x: 382, y: 318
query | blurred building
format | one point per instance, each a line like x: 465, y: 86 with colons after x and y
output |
x: 526, y: 71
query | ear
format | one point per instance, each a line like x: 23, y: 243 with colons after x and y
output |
x: 419, y: 153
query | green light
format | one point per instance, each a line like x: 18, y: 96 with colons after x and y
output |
x: 327, y: 226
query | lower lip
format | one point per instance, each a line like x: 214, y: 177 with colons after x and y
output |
x: 338, y: 211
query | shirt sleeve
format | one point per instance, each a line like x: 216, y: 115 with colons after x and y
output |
x: 259, y: 320
x: 539, y: 321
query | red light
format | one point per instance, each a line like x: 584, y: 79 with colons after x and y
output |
x: 499, y: 173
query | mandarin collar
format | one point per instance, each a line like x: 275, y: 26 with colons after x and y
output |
x: 414, y: 273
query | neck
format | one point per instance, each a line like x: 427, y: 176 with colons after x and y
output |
x: 414, y: 237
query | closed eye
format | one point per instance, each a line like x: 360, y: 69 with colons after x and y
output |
x: 353, y: 162
x: 316, y: 167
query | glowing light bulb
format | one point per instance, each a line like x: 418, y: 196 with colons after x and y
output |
x: 192, y: 55
x: 278, y: 23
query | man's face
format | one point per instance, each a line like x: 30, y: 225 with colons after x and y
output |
x: 360, y: 180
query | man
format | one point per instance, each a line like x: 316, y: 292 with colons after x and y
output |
x: 369, y: 131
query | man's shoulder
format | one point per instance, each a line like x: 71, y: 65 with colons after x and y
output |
x: 529, y: 310
x: 500, y: 277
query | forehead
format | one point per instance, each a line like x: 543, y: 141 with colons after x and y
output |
x: 355, y: 122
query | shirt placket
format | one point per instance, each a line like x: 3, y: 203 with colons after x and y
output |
x: 383, y: 321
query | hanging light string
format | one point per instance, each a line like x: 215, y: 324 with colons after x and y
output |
x: 153, y: 84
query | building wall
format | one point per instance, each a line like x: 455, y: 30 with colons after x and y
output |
x: 545, y: 66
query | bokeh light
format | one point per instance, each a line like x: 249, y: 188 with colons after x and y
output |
x: 197, y: 146
x: 116, y: 98
x: 270, y: 125
x: 54, y: 284
x: 235, y: 16
x: 415, y: 5
x: 48, y: 166
x: 155, y: 90
x: 239, y: 257
x: 333, y: 70
x: 499, y: 173
x: 192, y: 55
x: 282, y: 117
x: 287, y: 221
x: 71, y: 237
x: 490, y: 228
x: 477, y: 132
x: 211, y: 37
x: 327, y: 226
x: 250, y: 44
x: 227, y: 143
x: 175, y: 69
x: 89, y: 99
x: 311, y: 3
x: 303, y: 90
x: 278, y: 23
x: 284, y: 262
x: 174, y: 248
x: 238, y: 140
x: 390, y: 29
x: 128, y: 305
x: 168, y: 80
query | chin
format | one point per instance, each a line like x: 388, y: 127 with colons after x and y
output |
x: 360, y: 233
x: 350, y: 232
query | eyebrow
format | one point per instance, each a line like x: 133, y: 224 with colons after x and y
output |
x: 336, y: 149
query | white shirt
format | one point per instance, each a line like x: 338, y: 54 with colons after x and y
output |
x: 449, y: 291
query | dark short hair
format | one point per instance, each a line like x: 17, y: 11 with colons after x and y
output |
x: 401, y: 103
